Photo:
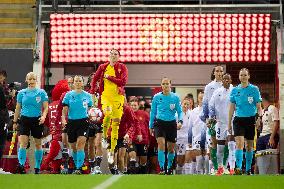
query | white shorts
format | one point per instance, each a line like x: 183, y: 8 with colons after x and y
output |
x: 221, y: 131
x: 182, y: 140
x: 188, y: 148
x: 181, y: 148
x: 196, y: 141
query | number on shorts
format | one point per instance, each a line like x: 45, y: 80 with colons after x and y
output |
x: 219, y: 131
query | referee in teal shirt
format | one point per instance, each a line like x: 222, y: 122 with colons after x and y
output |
x: 164, y: 107
x: 246, y: 103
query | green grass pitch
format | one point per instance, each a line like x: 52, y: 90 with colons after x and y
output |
x: 141, y: 182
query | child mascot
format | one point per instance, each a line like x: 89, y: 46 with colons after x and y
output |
x: 56, y: 156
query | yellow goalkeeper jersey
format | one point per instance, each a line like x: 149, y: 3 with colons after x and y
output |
x: 110, y: 88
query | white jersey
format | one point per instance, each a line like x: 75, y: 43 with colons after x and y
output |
x: 182, y: 134
x: 219, y: 105
x: 208, y: 92
x: 269, y: 115
x: 197, y: 127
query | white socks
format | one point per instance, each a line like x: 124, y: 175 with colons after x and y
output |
x: 193, y: 168
x: 179, y: 170
x: 186, y: 168
x: 206, y: 165
x: 220, y: 154
x: 199, y: 164
x: 232, y: 158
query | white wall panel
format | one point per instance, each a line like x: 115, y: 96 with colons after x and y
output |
x: 181, y: 74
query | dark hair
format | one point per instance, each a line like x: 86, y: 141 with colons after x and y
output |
x: 113, y: 49
x: 72, y: 77
x: 189, y: 95
x: 212, y: 77
x: 133, y: 99
x: 189, y: 98
x: 265, y: 96
x: 3, y: 72
x: 227, y: 74
x: 147, y: 105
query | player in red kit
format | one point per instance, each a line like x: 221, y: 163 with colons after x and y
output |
x: 128, y: 129
x: 112, y: 77
x: 140, y: 145
x: 55, y: 156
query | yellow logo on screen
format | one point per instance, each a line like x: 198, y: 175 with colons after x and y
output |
x: 158, y: 36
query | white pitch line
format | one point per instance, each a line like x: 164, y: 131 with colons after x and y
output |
x: 108, y: 182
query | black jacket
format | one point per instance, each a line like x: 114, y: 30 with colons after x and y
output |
x: 4, y: 116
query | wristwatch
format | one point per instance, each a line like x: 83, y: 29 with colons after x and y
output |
x: 180, y: 121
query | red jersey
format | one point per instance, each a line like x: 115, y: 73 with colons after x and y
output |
x: 55, y: 128
x: 121, y: 73
x: 59, y: 110
x: 143, y: 121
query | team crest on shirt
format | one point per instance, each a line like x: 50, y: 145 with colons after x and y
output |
x: 250, y: 99
x: 172, y: 106
x: 38, y: 99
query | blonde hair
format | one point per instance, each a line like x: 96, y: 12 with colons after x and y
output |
x: 79, y: 77
x: 30, y: 74
x: 167, y: 79
x: 245, y: 69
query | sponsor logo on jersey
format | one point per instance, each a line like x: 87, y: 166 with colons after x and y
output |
x: 38, y: 99
x: 250, y: 99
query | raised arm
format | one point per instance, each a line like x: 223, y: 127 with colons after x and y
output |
x: 120, y: 81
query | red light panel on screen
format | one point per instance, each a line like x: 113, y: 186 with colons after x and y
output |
x: 154, y: 38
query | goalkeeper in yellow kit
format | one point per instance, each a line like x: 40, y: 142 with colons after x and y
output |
x: 112, y: 77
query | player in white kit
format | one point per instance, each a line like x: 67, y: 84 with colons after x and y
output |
x: 208, y: 91
x: 218, y: 110
x: 188, y: 150
x: 182, y: 136
x: 197, y: 130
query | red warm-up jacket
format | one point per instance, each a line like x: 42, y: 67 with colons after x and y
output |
x: 143, y: 121
x: 56, y: 147
x: 59, y: 110
x: 120, y: 79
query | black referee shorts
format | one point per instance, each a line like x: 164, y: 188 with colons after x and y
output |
x: 244, y: 126
x: 30, y: 126
x: 166, y: 129
x: 76, y: 128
